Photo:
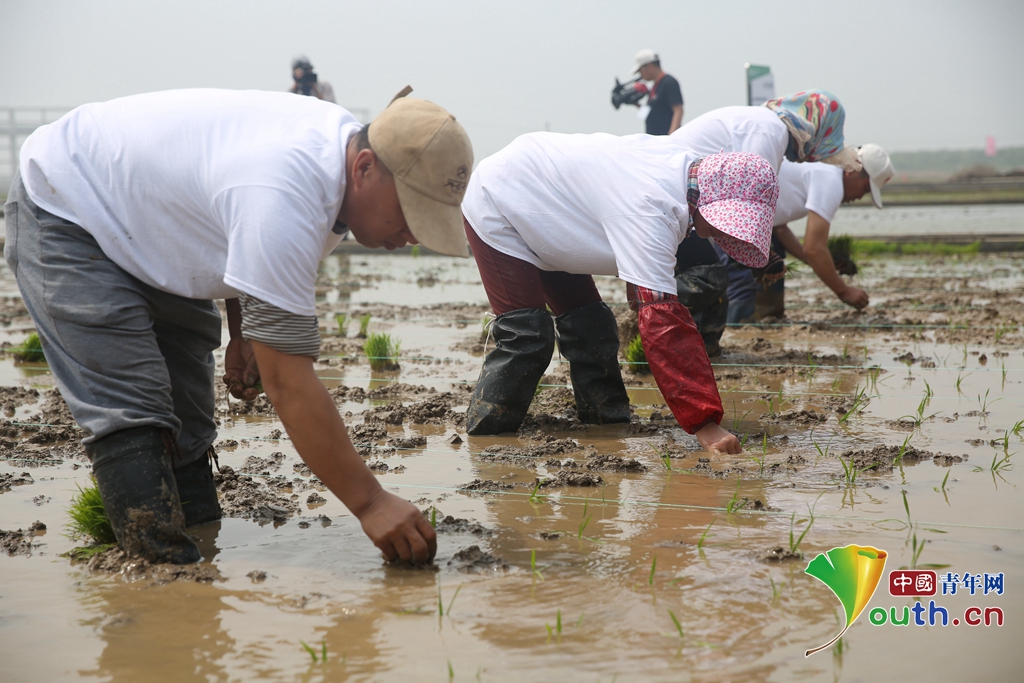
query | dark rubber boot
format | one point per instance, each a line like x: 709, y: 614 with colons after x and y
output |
x: 588, y: 338
x: 134, y: 475
x: 703, y: 290
x: 523, y: 343
x: 197, y: 492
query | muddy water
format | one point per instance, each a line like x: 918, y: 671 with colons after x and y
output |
x: 574, y: 555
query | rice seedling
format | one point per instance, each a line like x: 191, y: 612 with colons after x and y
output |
x: 557, y: 630
x: 776, y: 590
x: 898, y: 460
x: 586, y: 519
x: 382, y: 351
x: 663, y: 455
x: 30, y: 350
x: 89, y: 523
x: 579, y: 622
x: 675, y: 621
x: 873, y: 374
x: 997, y: 466
x: 650, y: 577
x: 415, y: 251
x: 942, y: 487
x: 760, y: 460
x: 1003, y: 387
x: 534, y: 496
x: 795, y: 541
x: 823, y: 452
x: 860, y: 400
x: 533, y: 566
x: 364, y: 324
x: 734, y: 502
x: 317, y: 657
x: 342, y: 320
x: 984, y: 403
x: 440, y: 604
x: 737, y: 420
x: 1016, y: 428
x: 835, y: 383
x: 433, y: 516
x: 851, y: 471
x: 451, y: 671
x: 703, y: 536
x: 635, y: 356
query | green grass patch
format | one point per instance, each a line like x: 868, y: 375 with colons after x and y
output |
x: 382, y: 351
x: 30, y: 351
x: 879, y: 248
x: 635, y: 356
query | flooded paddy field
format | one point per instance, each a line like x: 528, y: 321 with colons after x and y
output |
x: 566, y: 552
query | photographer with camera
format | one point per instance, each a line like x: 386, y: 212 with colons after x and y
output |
x: 665, y: 100
x: 307, y: 82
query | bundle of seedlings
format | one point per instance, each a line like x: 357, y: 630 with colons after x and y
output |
x: 30, y: 351
x: 89, y: 523
x: 636, y: 357
x: 382, y: 351
x: 841, y: 249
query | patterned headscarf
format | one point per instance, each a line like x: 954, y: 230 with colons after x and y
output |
x: 815, y: 122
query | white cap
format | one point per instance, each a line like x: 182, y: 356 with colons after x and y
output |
x: 876, y: 162
x: 645, y: 57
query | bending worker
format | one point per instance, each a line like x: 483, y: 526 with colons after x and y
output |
x: 549, y: 211
x: 815, y: 191
x: 129, y: 217
x: 805, y: 127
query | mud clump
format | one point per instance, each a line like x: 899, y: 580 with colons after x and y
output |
x: 407, y: 442
x: 883, y: 458
x: 260, y: 406
x: 474, y: 560
x: 9, y: 481
x: 12, y: 398
x: 315, y: 500
x: 245, y: 498
x: 116, y: 561
x: 256, y: 465
x: 794, y: 416
x: 435, y: 409
x: 486, y: 485
x: 17, y: 542
x: 614, y: 463
x: 570, y: 478
x: 456, y: 525
x: 779, y: 554
x: 365, y: 433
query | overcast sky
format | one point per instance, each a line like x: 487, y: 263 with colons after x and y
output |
x: 913, y: 74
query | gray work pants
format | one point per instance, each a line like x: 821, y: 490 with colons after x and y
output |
x: 123, y: 354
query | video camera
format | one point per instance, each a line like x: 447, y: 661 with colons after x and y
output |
x: 630, y: 92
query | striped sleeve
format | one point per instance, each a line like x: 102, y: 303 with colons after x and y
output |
x: 296, y: 335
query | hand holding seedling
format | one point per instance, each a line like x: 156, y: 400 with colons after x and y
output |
x: 241, y: 373
x: 398, y: 528
x: 854, y: 296
x: 714, y: 439
x: 318, y: 433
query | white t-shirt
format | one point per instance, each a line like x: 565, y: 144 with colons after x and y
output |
x: 808, y: 186
x: 201, y: 193
x: 588, y: 204
x: 757, y: 130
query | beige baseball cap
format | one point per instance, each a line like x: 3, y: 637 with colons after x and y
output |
x: 879, y: 167
x: 645, y: 57
x: 430, y: 156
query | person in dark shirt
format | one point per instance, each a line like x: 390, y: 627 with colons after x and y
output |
x: 666, y: 98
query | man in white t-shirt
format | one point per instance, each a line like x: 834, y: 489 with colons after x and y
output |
x: 126, y: 220
x: 548, y: 212
x: 814, y: 191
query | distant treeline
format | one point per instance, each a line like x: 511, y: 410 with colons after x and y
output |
x: 951, y: 161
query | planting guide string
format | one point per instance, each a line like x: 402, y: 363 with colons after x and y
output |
x: 658, y: 504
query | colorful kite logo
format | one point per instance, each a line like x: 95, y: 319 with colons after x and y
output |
x: 852, y: 573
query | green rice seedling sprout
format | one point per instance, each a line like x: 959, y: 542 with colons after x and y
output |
x: 906, y: 506
x: 965, y: 354
x: 342, y: 320
x: 533, y: 566
x: 30, y: 350
x: 851, y: 471
x: 558, y: 623
x: 984, y: 403
x: 823, y: 452
x: 635, y: 356
x: 737, y: 420
x: 1003, y: 387
x: 776, y: 588
x: 663, y: 455
x: 585, y: 521
x: 703, y: 536
x: 579, y: 622
x: 916, y: 549
x: 795, y: 541
x: 317, y: 657
x: 364, y: 324
x: 734, y: 502
x: 835, y: 384
x: 1017, y: 427
x: 415, y: 251
x: 860, y: 400
x: 928, y: 393
x: 650, y: 577
x: 846, y: 351
x: 873, y: 374
x: 382, y: 351
x: 942, y: 487
x: 451, y: 671
x: 743, y: 441
x: 89, y: 522
x: 534, y: 497
x: 452, y: 601
x: 433, y: 516
x: 675, y: 621
x: 898, y: 460
x: 997, y: 466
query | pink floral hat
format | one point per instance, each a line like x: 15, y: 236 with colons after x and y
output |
x: 738, y: 191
